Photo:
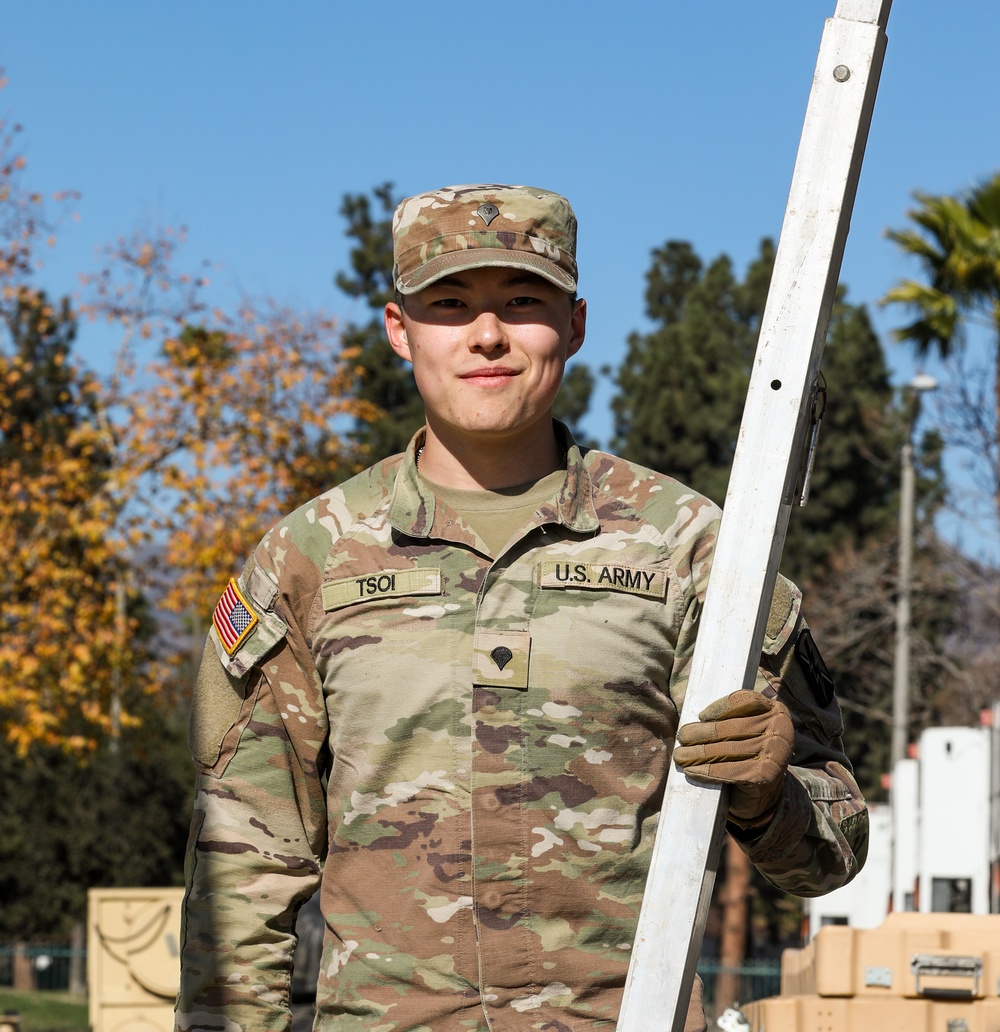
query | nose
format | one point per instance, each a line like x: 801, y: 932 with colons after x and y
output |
x: 488, y: 332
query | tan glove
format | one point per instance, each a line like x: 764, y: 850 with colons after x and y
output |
x: 743, y: 740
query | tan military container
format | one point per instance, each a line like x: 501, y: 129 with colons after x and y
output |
x: 822, y: 1014
x: 865, y: 1014
x: 133, y: 958
x: 775, y: 1014
x: 914, y: 973
x: 911, y: 955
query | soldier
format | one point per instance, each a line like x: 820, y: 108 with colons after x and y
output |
x: 447, y: 691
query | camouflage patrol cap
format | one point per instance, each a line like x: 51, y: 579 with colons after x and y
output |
x: 472, y: 227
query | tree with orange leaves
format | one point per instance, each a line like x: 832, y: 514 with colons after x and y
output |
x: 233, y: 419
x: 138, y: 493
x: 61, y: 639
x: 60, y: 623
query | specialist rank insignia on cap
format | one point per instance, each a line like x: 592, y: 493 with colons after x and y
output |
x: 487, y: 212
x: 234, y: 618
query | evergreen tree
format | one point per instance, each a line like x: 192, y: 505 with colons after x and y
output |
x: 68, y: 824
x: 573, y: 402
x: 384, y: 379
x: 853, y: 495
x: 682, y: 387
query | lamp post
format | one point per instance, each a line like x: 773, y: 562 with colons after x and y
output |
x: 921, y: 383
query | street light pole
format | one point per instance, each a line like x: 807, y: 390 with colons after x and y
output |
x: 901, y: 667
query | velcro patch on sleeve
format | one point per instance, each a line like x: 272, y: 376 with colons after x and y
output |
x: 215, y: 706
x: 783, y: 616
x: 385, y: 584
x: 633, y: 580
x: 234, y: 618
x: 781, y: 606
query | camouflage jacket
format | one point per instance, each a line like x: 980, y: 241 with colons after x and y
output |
x: 469, y: 753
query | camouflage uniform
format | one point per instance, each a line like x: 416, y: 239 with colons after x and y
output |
x: 469, y: 753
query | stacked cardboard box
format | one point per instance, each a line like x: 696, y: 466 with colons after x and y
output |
x: 914, y: 973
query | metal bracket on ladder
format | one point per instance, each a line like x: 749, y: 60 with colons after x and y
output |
x: 762, y: 486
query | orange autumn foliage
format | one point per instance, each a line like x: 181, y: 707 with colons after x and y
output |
x: 126, y: 510
x: 223, y: 431
x: 59, y: 621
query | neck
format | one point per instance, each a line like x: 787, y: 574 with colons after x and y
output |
x: 491, y: 464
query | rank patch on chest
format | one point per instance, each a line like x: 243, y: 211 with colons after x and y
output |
x: 501, y: 658
x: 633, y: 580
x: 234, y: 618
x: 349, y: 591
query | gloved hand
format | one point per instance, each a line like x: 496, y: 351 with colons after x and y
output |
x: 743, y: 740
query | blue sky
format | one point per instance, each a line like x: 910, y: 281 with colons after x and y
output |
x: 246, y: 122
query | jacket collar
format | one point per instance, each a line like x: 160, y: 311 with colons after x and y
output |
x: 415, y: 511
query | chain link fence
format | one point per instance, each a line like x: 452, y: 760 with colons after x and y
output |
x: 45, y: 965
x: 755, y: 980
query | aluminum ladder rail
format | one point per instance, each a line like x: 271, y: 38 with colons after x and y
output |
x: 763, y: 485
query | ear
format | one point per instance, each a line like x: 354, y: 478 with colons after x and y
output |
x: 578, y: 327
x: 395, y: 330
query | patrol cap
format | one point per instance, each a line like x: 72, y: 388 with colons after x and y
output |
x: 473, y: 227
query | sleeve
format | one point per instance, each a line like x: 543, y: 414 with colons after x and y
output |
x: 818, y: 837
x: 259, y: 741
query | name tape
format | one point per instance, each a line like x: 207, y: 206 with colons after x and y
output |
x: 385, y: 584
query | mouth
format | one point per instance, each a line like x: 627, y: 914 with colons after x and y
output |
x: 489, y: 374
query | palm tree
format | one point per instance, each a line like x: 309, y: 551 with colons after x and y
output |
x: 958, y: 243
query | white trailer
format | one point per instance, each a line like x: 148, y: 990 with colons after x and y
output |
x: 935, y: 847
x: 954, y: 839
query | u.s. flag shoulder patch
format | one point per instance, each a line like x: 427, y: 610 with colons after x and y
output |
x: 234, y: 618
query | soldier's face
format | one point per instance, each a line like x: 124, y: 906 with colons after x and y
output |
x: 488, y: 348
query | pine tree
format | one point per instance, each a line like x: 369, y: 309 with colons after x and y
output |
x: 384, y: 379
x: 573, y: 402
x: 681, y: 392
x: 682, y: 387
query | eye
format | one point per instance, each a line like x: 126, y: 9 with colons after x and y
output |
x: 448, y: 302
x: 522, y: 300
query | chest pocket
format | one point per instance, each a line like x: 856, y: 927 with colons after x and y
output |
x: 599, y: 623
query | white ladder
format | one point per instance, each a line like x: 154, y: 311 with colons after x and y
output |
x: 776, y: 429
